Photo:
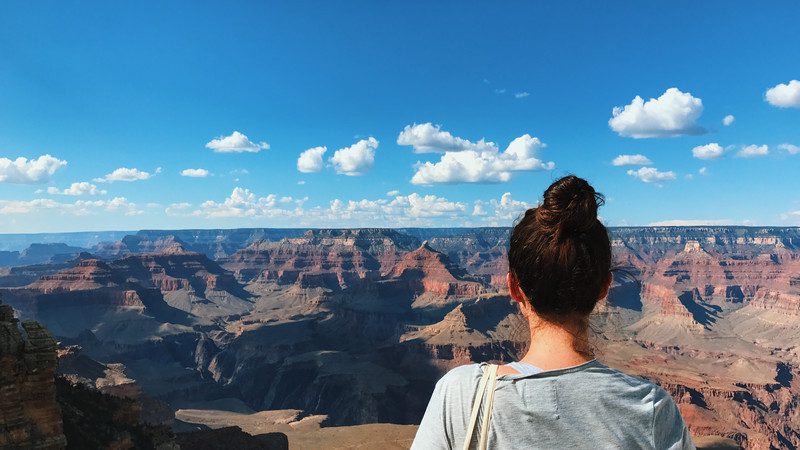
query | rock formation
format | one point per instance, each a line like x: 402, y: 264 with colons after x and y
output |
x: 426, y: 270
x: 30, y: 415
x: 278, y: 318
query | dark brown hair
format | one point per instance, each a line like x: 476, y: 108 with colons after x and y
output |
x: 560, y: 253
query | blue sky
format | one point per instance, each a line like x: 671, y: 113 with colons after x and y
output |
x: 154, y: 88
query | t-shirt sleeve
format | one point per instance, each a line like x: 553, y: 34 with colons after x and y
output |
x: 431, y: 433
x: 669, y: 430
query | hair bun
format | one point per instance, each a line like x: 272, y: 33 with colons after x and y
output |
x: 569, y: 207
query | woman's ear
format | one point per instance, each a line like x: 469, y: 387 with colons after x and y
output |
x: 513, y: 288
x: 606, y: 286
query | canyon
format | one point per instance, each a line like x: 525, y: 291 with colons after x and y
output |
x: 328, y: 330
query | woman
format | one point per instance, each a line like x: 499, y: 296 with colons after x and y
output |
x: 557, y: 395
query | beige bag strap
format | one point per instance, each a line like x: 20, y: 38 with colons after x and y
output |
x: 487, y: 383
x: 487, y: 410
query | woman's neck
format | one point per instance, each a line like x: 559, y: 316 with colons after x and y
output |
x: 554, y: 346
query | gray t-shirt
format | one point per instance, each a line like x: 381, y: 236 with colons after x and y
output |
x: 586, y: 406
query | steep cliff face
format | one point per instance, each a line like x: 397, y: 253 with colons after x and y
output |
x: 321, y: 258
x: 486, y: 329
x: 134, y: 293
x: 426, y: 270
x: 138, y: 244
x: 783, y: 302
x: 86, y: 274
x: 28, y: 408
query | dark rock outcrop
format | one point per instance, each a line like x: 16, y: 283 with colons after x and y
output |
x: 31, y: 418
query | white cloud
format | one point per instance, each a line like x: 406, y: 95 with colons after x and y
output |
x: 784, y: 95
x: 488, y: 165
x: 727, y: 120
x: 301, y: 182
x: 674, y: 113
x: 177, y: 209
x: 413, y: 209
x: 124, y: 174
x: 508, y: 208
x: 478, y: 209
x: 430, y: 138
x: 521, y: 94
x: 691, y: 223
x: 708, y: 151
x: 793, y: 217
x: 29, y: 171
x: 430, y: 205
x: 790, y: 148
x: 77, y: 208
x: 311, y: 160
x: 194, y: 173
x: 703, y: 171
x: 751, y: 151
x: 236, y: 143
x: 77, y: 189
x: 395, y: 211
x: 356, y: 159
x: 652, y: 175
x: 500, y: 91
x: 631, y: 160
x: 241, y: 203
x: 393, y: 193
x: 413, y: 205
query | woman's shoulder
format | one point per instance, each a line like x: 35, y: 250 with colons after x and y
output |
x: 623, y: 384
x: 465, y: 374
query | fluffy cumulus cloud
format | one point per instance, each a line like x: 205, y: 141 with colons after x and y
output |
x: 194, y: 173
x: 236, y: 142
x: 78, y: 208
x: 356, y: 159
x: 507, y: 208
x: 674, y: 113
x: 393, y: 210
x: 29, y: 171
x: 481, y: 162
x: 478, y: 208
x: 728, y: 120
x: 652, y: 175
x: 241, y: 203
x: 311, y: 160
x: 784, y: 95
x: 430, y: 138
x: 177, y: 209
x: 404, y: 209
x: 752, y: 151
x: 125, y: 174
x: 708, y: 151
x: 790, y: 148
x: 631, y: 160
x: 78, y: 189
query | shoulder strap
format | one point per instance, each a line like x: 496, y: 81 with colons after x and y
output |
x: 489, y: 377
x: 487, y: 411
